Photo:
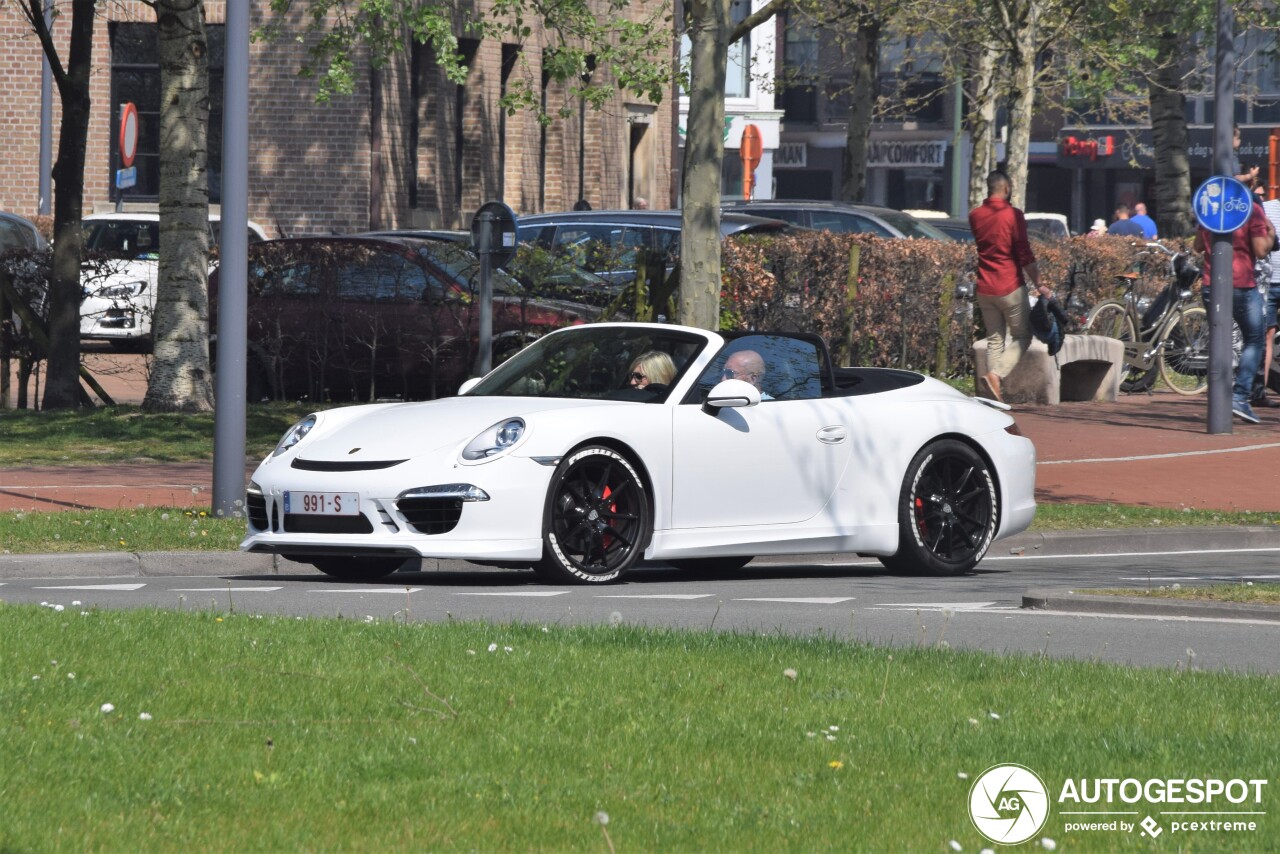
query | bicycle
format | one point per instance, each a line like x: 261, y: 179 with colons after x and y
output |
x: 1170, y: 338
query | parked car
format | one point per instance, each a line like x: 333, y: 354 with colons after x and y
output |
x: 120, y: 273
x: 840, y: 216
x: 956, y: 227
x: 542, y: 273
x: 364, y: 318
x: 17, y: 233
x: 1047, y: 226
x: 607, y: 242
x: 560, y: 460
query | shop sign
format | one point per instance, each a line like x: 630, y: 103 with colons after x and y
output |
x: 791, y: 155
x: 907, y: 153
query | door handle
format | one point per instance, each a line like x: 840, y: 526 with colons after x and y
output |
x: 832, y: 435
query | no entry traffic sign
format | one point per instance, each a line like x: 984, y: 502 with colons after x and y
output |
x: 128, y: 133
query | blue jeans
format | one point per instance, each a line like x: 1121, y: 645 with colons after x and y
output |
x: 1246, y: 309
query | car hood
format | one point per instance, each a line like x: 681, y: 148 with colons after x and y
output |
x: 408, y: 430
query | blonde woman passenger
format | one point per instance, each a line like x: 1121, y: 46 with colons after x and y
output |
x: 651, y: 367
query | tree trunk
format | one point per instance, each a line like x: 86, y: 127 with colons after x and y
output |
x: 1169, y: 133
x: 699, y: 303
x: 180, y: 376
x: 982, y: 123
x: 1022, y: 96
x: 863, y: 86
x: 62, y: 381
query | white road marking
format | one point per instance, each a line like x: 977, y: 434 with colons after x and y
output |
x: 1033, y: 556
x: 535, y: 593
x: 1168, y: 456
x: 225, y: 589
x: 936, y: 606
x: 125, y: 587
x: 816, y: 600
x: 1164, y: 578
x: 370, y: 590
x: 658, y: 596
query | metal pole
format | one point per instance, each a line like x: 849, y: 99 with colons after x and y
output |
x: 233, y: 273
x: 46, y: 123
x: 959, y: 203
x: 484, y: 359
x: 1221, y: 290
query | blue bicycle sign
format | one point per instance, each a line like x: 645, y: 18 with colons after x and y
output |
x: 1222, y: 204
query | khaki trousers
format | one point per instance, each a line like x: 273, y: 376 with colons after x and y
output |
x: 1007, y: 317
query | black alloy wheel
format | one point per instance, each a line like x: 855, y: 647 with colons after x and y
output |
x: 597, y: 521
x: 946, y: 511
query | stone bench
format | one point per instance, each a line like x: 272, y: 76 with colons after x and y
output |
x: 1088, y: 367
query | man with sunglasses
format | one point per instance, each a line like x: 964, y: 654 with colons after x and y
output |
x: 748, y: 366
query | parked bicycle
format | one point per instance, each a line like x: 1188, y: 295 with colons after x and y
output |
x: 1170, y: 338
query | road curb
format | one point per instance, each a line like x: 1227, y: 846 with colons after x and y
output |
x: 1084, y: 602
x: 1139, y: 540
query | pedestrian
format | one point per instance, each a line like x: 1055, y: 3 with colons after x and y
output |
x: 1005, y: 265
x: 1249, y: 242
x: 1271, y: 306
x: 1148, y: 224
x: 1245, y: 175
x: 582, y: 205
x: 1123, y: 226
x: 640, y: 204
x: 1098, y: 228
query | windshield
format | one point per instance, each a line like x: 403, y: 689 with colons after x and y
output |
x: 121, y: 238
x: 912, y: 227
x: 597, y: 363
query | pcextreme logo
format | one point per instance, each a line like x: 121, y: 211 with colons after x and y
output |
x: 1008, y: 804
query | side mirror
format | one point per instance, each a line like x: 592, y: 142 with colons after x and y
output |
x: 468, y: 385
x: 732, y: 394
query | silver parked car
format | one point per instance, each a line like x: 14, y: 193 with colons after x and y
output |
x: 840, y: 216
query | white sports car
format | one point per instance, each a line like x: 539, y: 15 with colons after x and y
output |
x: 600, y: 444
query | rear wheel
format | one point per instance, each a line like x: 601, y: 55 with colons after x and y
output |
x: 597, y: 520
x: 357, y: 568
x: 1184, y: 356
x: 946, y: 511
x: 1112, y: 320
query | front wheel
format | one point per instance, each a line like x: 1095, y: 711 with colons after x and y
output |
x: 1184, y: 351
x: 1112, y: 319
x: 946, y: 511
x: 597, y: 520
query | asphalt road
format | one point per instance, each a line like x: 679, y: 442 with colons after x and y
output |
x: 853, y: 599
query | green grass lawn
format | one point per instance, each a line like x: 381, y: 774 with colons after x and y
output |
x: 230, y: 732
x: 124, y: 434
x: 1247, y: 593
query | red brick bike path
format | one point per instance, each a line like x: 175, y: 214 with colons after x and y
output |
x: 1142, y: 449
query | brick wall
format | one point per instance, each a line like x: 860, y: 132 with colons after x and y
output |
x: 310, y: 164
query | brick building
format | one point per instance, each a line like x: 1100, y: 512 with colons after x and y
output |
x: 407, y: 149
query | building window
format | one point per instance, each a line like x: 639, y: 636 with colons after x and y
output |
x: 799, y: 71
x: 737, y: 83
x: 135, y: 78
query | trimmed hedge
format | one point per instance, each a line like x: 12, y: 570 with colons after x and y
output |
x: 891, y: 302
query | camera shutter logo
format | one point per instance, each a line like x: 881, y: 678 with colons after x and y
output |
x: 1009, y: 804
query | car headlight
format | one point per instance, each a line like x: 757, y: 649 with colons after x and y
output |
x: 495, y: 440
x: 121, y: 290
x: 294, y: 435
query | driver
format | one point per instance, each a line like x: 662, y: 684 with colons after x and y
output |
x: 652, y: 367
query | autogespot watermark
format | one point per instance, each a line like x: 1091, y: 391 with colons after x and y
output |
x: 1010, y: 804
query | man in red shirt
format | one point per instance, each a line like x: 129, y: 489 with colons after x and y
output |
x: 1005, y: 264
x: 1251, y: 240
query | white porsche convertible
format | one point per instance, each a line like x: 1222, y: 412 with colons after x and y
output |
x: 601, y: 444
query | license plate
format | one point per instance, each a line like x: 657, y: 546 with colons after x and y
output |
x: 322, y: 503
